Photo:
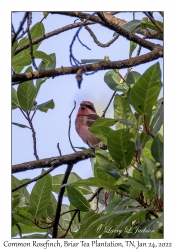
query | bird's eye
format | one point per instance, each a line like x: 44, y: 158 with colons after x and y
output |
x: 90, y: 107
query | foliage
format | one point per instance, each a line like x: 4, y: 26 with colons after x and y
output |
x: 129, y: 174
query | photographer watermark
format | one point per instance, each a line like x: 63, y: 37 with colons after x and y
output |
x: 115, y: 230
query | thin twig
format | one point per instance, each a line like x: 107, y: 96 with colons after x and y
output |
x: 33, y: 114
x: 59, y: 150
x: 69, y: 226
x: 161, y: 13
x: 70, y: 127
x: 71, y: 56
x: 103, y: 45
x: 146, y: 127
x: 60, y: 198
x: 34, y: 179
x: 154, y: 22
x: 23, y: 113
x: 20, y: 27
x: 104, y: 112
x: 95, y: 194
x: 19, y: 229
x: 13, y: 29
x: 44, y: 17
x: 72, y: 210
x: 33, y: 135
x: 29, y: 20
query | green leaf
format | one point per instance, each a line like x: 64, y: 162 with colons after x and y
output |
x: 36, y: 31
x: 100, y: 128
x: 44, y: 106
x: 113, y: 173
x: 51, y: 209
x: 145, y: 91
x: 94, y: 182
x: 73, y: 177
x: 103, y: 175
x: 21, y: 60
x: 149, y: 174
x: 117, y: 205
x: 122, y: 111
x: 26, y: 93
x: 40, y: 196
x: 132, y: 78
x: 36, y: 236
x: 104, y: 159
x: 65, y: 219
x: 157, y: 149
x: 45, y: 66
x: 133, y: 46
x: 136, y: 186
x: 45, y: 13
x: 144, y: 138
x: 147, y: 149
x: 112, y: 79
x: 132, y: 26
x: 124, y: 121
x: 15, y: 102
x: 144, y: 230
x: 20, y: 125
x: 135, y: 216
x: 18, y: 202
x: 106, y: 122
x: 121, y: 147
x: 101, y: 132
x: 87, y: 219
x: 42, y: 55
x: 23, y: 215
x: 30, y: 229
x: 22, y: 192
x: 156, y: 235
x: 158, y: 118
x: 77, y: 199
x: 151, y: 26
x: 96, y: 224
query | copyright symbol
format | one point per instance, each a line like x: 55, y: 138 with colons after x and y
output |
x: 99, y: 228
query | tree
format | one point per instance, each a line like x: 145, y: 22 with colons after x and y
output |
x: 126, y: 188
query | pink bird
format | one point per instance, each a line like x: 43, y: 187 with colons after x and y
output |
x: 86, y: 116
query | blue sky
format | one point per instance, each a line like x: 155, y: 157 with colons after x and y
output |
x: 52, y: 127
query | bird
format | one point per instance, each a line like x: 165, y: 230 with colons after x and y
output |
x: 86, y: 116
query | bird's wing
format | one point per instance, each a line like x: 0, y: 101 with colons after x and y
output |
x: 91, y: 119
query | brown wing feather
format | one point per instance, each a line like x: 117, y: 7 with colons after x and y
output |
x: 91, y: 119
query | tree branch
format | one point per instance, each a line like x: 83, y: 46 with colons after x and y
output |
x: 29, y: 21
x: 53, y: 161
x: 33, y: 135
x: 50, y: 34
x: 150, y: 34
x: 34, y: 179
x: 103, y: 45
x: 128, y: 63
x: 20, y: 27
x: 153, y: 21
x: 60, y: 198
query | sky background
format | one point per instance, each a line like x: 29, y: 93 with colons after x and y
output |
x: 52, y: 127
